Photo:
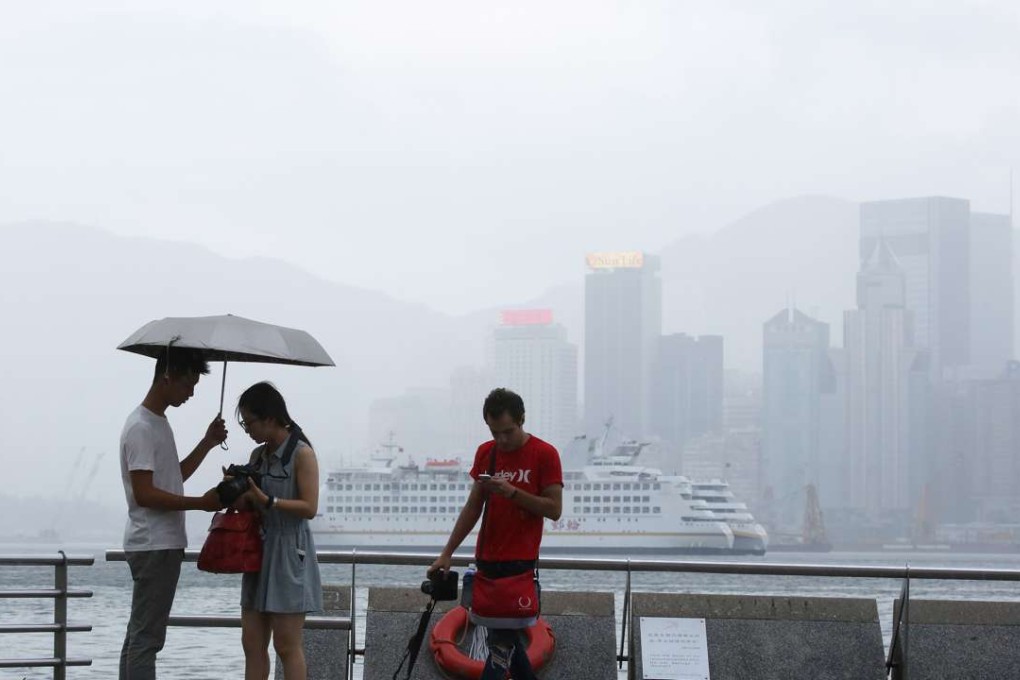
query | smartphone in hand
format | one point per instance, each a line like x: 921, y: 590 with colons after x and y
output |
x: 484, y: 477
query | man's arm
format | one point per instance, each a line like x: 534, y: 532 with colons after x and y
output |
x: 149, y: 496
x: 466, y: 521
x: 548, y: 503
x: 215, y: 434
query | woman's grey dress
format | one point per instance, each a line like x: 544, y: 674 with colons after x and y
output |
x: 289, y: 581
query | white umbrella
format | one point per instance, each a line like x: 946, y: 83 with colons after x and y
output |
x: 228, y: 338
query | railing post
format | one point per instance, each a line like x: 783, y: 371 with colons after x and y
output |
x: 623, y: 627
x: 60, y: 619
x: 352, y: 637
x: 897, y: 665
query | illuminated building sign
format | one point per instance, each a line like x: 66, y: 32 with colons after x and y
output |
x: 630, y: 259
x: 526, y: 317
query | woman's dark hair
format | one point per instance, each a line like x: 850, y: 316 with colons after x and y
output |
x: 263, y: 400
x: 178, y: 361
x: 500, y: 401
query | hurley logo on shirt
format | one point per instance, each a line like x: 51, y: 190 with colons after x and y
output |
x: 521, y: 476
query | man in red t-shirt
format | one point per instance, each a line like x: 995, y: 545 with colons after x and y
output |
x: 525, y: 487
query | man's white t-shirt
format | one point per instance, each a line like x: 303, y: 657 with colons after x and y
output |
x: 147, y: 443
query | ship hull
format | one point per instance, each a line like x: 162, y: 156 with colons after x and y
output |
x: 553, y: 541
x: 592, y: 546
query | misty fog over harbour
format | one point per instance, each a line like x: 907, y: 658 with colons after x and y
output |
x: 395, y: 181
x: 752, y: 266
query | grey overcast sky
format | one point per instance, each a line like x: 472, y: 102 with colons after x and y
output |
x: 464, y: 153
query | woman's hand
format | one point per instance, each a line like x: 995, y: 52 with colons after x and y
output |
x: 255, y: 495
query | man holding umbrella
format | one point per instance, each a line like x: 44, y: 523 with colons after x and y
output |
x: 153, y: 477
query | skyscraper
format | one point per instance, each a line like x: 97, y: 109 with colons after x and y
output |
x: 991, y: 292
x: 687, y: 388
x: 879, y: 353
x: 531, y: 356
x: 930, y: 238
x: 797, y: 371
x: 978, y: 435
x: 622, y: 325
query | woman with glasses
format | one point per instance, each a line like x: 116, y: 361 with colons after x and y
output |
x: 275, y: 600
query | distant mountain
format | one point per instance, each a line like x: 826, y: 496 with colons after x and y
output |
x: 70, y: 294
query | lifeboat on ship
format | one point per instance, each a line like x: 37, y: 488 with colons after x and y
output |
x: 452, y: 660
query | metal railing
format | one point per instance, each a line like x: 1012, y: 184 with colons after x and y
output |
x: 60, y: 627
x: 897, y: 652
x: 622, y: 565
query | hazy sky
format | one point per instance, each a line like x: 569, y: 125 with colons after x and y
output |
x: 464, y: 153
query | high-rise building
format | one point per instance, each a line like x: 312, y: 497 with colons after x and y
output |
x: 978, y: 436
x: 622, y: 325
x: 733, y: 456
x: 687, y: 388
x: 880, y: 356
x: 996, y: 490
x: 832, y: 485
x: 532, y: 356
x: 991, y: 292
x: 797, y: 372
x: 930, y: 238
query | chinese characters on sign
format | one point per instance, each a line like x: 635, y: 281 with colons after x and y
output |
x: 673, y: 649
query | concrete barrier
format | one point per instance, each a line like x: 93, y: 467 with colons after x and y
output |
x: 961, y: 640
x: 774, y: 638
x: 583, y: 624
x: 585, y: 628
x: 326, y: 650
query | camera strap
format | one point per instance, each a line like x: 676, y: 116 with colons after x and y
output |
x: 295, y: 437
x: 288, y: 451
x: 414, y: 644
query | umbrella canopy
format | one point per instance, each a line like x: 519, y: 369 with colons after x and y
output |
x: 229, y: 338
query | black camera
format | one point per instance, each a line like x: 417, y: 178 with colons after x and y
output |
x: 229, y: 490
x: 441, y: 587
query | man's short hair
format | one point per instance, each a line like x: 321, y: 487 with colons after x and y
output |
x: 500, y: 401
x: 179, y: 361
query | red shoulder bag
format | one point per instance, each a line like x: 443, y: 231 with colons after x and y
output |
x: 504, y: 602
x: 234, y: 543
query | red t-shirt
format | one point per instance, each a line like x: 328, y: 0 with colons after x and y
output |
x: 511, y: 532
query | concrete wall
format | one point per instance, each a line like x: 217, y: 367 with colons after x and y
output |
x: 583, y: 624
x: 326, y: 650
x: 957, y: 640
x: 774, y: 638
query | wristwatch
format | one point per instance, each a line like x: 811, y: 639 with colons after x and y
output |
x: 270, y: 502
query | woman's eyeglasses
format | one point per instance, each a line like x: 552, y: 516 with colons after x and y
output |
x: 246, y: 424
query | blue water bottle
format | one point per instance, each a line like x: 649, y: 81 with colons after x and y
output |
x: 465, y: 585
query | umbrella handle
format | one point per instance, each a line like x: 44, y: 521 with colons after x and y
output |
x: 223, y: 389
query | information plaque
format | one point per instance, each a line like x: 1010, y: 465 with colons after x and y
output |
x: 673, y: 649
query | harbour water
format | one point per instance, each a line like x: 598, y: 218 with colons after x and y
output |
x: 208, y: 653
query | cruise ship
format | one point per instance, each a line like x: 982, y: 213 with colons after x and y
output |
x: 610, y: 505
x: 749, y: 537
